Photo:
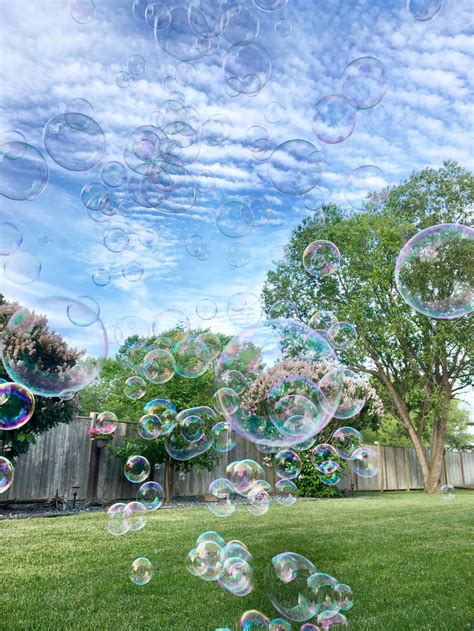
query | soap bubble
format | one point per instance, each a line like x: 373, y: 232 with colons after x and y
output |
x: 235, y: 549
x: 285, y: 492
x: 286, y: 583
x: 346, y: 440
x: 206, y: 560
x: 136, y: 65
x: 334, y: 119
x: 367, y: 187
x: 82, y: 11
x: 344, y: 596
x: 135, y: 388
x: 324, y: 457
x: 219, y: 498
x: 247, y: 68
x: 181, y: 445
x: 258, y: 142
x: 158, y: 366
x: 342, y: 335
x: 322, y: 319
x: 170, y: 326
x: 10, y: 238
x: 295, y: 167
x: 165, y: 410
x: 116, y: 240
x: 270, y: 5
x: 6, y: 473
x: 314, y: 200
x: 226, y: 401
x: 243, y: 474
x: 321, y: 258
x: 150, y: 426
x: 283, y: 27
x: 365, y: 462
x: 132, y: 271
x: 96, y: 197
x: 106, y: 423
x: 283, y: 309
x: 216, y: 130
x: 211, y: 535
x: 244, y: 309
x: 135, y: 514
x: 192, y: 357
x: 434, y: 271
x: 76, y: 148
x: 80, y: 369
x: 207, y: 18
x: 237, y: 576
x: 323, y: 588
x: 447, y: 492
x: 352, y: 390
x: 84, y: 312
x: 223, y: 437
x: 234, y: 219
x: 148, y: 237
x: 237, y: 255
x: 330, y: 479
x: 234, y: 380
x: 331, y: 620
x: 22, y: 267
x: 253, y: 620
x: 137, y: 469
x: 116, y: 523
x: 243, y: 24
x: 151, y: 495
x: 23, y: 171
x: 141, y: 571
x: 288, y: 464
x: 113, y: 173
x: 77, y: 106
x: 260, y: 495
x: 5, y: 391
x: 174, y: 35
x: 423, y: 10
x: 122, y: 79
x: 206, y: 309
x: 11, y: 136
x: 364, y: 82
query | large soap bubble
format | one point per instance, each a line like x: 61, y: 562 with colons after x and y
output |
x: 435, y: 270
x: 193, y: 433
x: 175, y: 36
x: 23, y: 171
x: 247, y: 68
x: 334, y: 119
x: 286, y: 583
x: 295, y: 167
x: 364, y: 82
x: 293, y: 410
x: 10, y: 238
x: 81, y: 349
x: 424, y: 10
x: 76, y: 147
x: 141, y: 571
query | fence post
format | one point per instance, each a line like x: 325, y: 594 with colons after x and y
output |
x: 383, y: 471
x: 407, y: 468
x: 94, y: 464
x: 462, y: 469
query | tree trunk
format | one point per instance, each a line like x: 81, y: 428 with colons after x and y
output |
x: 168, y: 480
x: 438, y: 439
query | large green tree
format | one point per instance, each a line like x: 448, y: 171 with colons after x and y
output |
x: 419, y: 363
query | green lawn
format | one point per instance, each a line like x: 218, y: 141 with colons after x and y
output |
x: 405, y: 556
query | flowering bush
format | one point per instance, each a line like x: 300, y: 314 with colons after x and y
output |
x: 95, y: 434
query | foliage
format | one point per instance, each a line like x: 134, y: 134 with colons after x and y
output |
x: 49, y: 349
x: 419, y: 364
x: 309, y: 481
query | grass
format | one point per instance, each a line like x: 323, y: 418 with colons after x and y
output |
x: 404, y: 554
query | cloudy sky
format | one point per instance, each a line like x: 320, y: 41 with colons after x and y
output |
x: 302, y: 49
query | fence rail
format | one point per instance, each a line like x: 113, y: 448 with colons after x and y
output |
x: 64, y: 457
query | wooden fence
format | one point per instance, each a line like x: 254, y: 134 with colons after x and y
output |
x: 65, y: 457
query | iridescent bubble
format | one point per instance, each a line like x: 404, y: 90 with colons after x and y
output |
x: 243, y: 24
x: 22, y: 267
x: 434, y: 271
x: 210, y: 345
x: 365, y: 462
x: 367, y: 187
x: 216, y: 130
x: 447, y: 492
x: 137, y: 469
x: 95, y: 196
x: 234, y: 219
x: 322, y: 319
x: 324, y: 457
x: 170, y: 326
x: 191, y: 357
x: 174, y: 35
x: 283, y: 309
x: 219, y: 498
x: 165, y: 410
x: 344, y: 596
x: 82, y: 11
x: 106, y: 423
x: 260, y: 496
x: 195, y: 245
x: 283, y: 27
x: 342, y: 335
x: 10, y: 238
x: 274, y: 112
x: 150, y: 427
x: 23, y: 171
x: 323, y: 588
x: 101, y: 277
x: 83, y: 365
x: 226, y: 401
x: 136, y: 65
x: 237, y: 255
x: 132, y: 271
x: 334, y: 119
x: 192, y: 428
x: 285, y: 492
x: 116, y: 240
x: 237, y: 576
x: 113, y: 173
x: 135, y: 388
x: 223, y: 437
x: 17, y: 405
x: 116, y: 523
x: 207, y: 18
x: 258, y: 142
x: 287, y: 464
x: 321, y: 258
x: 78, y: 147
x: 270, y: 5
x: 295, y: 167
x: 286, y: 584
x: 158, y: 366
x: 234, y: 380
x: 151, y: 495
x: 6, y: 474
x: 77, y: 106
x: 122, y: 79
x: 253, y: 620
x: 206, y: 309
x: 423, y: 10
x: 206, y: 560
x: 331, y: 620
x: 243, y: 474
x: 211, y: 535
x: 181, y: 448
x: 346, y: 440
x: 141, y: 571
x: 247, y: 68
x: 364, y: 82
x: 278, y: 624
x: 244, y: 309
x: 135, y: 513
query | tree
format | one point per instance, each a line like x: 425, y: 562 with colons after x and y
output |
x: 420, y: 364
x: 108, y: 394
x: 49, y: 348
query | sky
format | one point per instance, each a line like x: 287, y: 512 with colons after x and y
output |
x: 301, y: 49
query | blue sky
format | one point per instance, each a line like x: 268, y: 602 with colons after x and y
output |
x: 49, y: 59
